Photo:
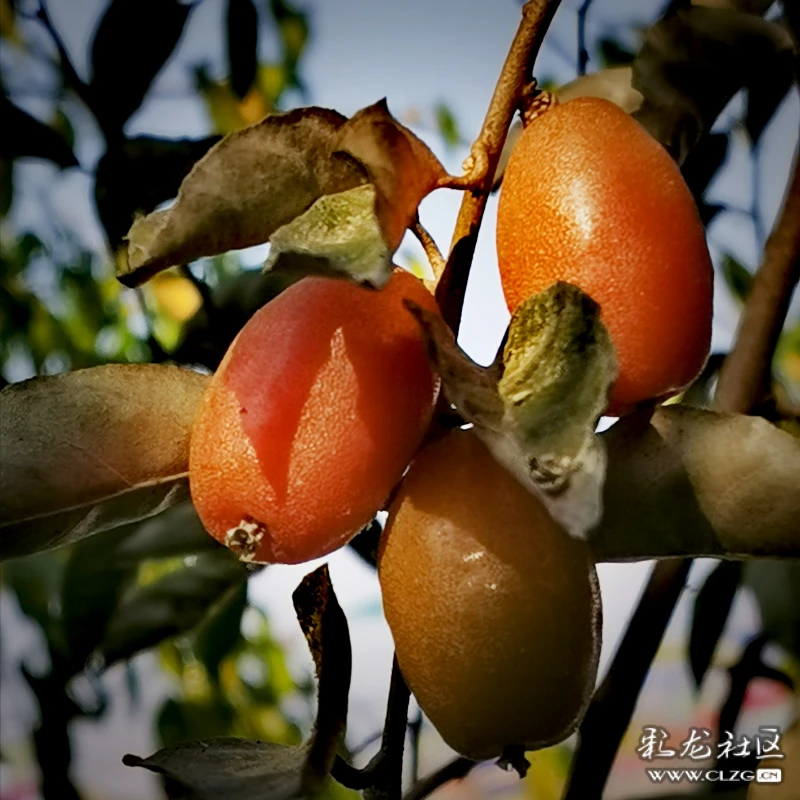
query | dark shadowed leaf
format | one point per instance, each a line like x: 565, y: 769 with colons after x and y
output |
x: 536, y: 408
x: 245, y: 188
x: 703, y: 162
x: 90, y: 450
x: 767, y: 86
x: 737, y: 277
x: 242, y: 23
x: 692, y: 62
x: 221, y: 769
x: 220, y: 632
x: 692, y: 482
x: 712, y: 607
x: 23, y: 136
x: 136, y: 175
x: 776, y: 585
x: 325, y: 628
x: 175, y: 532
x: 132, y: 43
x: 94, y: 581
x: 172, y: 605
x: 293, y: 29
x: 614, y: 54
x: 218, y: 769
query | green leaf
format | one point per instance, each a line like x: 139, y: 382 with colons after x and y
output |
x: 536, y: 407
x: 691, y: 482
x: 776, y: 585
x: 218, y: 769
x: 447, y: 126
x: 181, y: 721
x: 242, y: 29
x: 23, y: 136
x: 712, y: 607
x: 293, y: 28
x: 340, y: 233
x: 220, y: 632
x: 94, y: 581
x: 692, y: 62
x: 614, y: 54
x: 87, y: 451
x: 737, y: 277
x: 172, y: 605
x: 135, y: 175
x: 132, y: 43
x: 175, y: 532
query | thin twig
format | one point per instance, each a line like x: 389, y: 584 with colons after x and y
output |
x: 485, y: 154
x: 70, y: 73
x: 744, y: 378
x: 583, y: 53
x: 434, y: 255
x: 454, y: 770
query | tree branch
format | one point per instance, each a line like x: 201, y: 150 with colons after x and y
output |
x: 485, y: 154
x: 745, y: 375
x: 451, y: 771
x: 614, y: 701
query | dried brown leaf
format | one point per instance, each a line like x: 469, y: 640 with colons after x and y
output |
x: 245, y: 188
x: 692, y: 482
x: 93, y: 449
x: 399, y: 164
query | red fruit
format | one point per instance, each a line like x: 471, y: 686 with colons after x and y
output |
x: 311, y: 418
x: 590, y: 198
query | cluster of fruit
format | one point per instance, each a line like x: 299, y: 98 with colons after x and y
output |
x: 324, y: 397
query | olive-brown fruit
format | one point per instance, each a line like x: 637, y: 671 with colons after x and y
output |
x: 493, y: 607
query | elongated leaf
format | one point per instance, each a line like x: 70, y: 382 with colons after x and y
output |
x: 737, y: 277
x: 22, y: 135
x: 93, y: 584
x: 175, y: 532
x: 692, y: 482
x: 776, y: 585
x: 135, y: 175
x: 173, y: 605
x: 693, y: 61
x: 132, y: 43
x: 219, y: 769
x: 90, y: 450
x: 712, y: 608
x: 220, y: 632
x: 537, y: 408
x: 242, y: 29
x: 245, y: 188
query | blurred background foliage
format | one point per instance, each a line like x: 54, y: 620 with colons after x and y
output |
x: 164, y: 583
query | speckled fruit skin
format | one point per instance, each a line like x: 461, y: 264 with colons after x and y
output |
x: 590, y: 198
x: 490, y: 603
x: 311, y: 418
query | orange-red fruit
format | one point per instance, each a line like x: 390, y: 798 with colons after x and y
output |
x: 311, y: 418
x: 590, y: 198
x: 492, y: 606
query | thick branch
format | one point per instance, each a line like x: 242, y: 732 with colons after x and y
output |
x: 613, y: 703
x: 745, y: 375
x: 536, y: 17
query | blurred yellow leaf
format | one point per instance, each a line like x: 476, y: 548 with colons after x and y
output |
x: 175, y: 296
x: 8, y: 29
x: 548, y: 773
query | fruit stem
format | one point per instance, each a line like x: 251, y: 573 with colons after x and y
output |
x: 485, y: 154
